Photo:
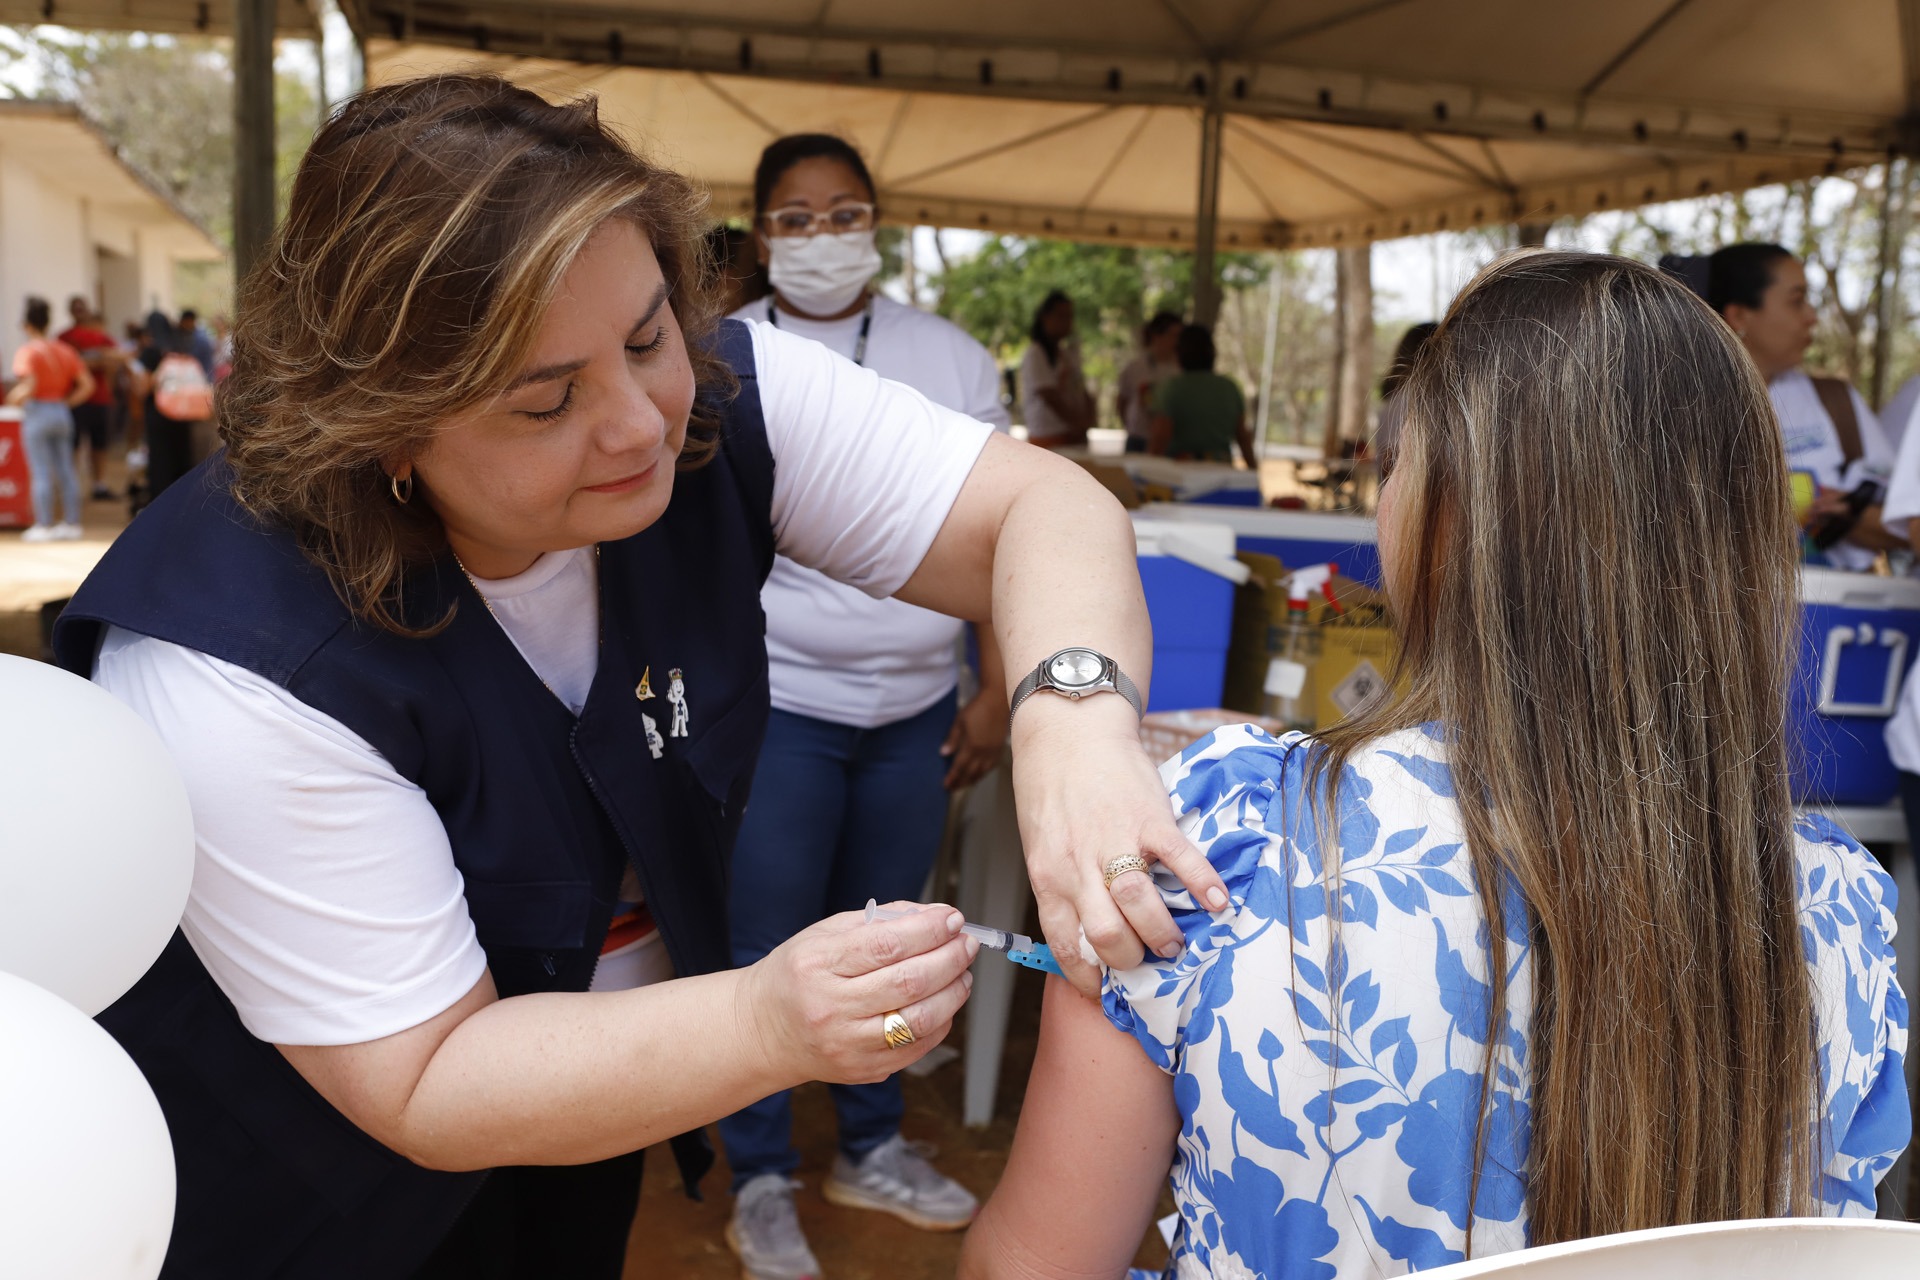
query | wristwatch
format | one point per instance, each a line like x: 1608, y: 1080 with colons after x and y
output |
x: 1076, y: 673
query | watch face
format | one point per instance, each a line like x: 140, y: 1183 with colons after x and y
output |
x: 1076, y: 668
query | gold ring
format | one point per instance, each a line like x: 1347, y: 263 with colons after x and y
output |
x: 894, y: 1027
x: 1120, y: 866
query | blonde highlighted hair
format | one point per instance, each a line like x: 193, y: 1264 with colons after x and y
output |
x: 430, y: 225
x: 1596, y: 596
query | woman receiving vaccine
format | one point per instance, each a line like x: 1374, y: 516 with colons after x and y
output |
x: 867, y: 736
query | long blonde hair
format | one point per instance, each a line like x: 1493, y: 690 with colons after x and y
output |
x: 429, y: 227
x: 1596, y: 597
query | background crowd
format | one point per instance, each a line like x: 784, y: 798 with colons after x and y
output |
x: 86, y: 395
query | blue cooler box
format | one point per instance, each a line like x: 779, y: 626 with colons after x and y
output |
x: 1297, y: 537
x: 1857, y: 640
x: 1192, y: 612
x: 1207, y: 483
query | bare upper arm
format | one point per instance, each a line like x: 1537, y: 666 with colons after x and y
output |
x: 371, y: 1083
x: 956, y: 575
x: 1097, y: 1127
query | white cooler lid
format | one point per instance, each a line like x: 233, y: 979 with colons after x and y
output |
x: 1265, y: 522
x: 1214, y: 537
x: 1857, y: 590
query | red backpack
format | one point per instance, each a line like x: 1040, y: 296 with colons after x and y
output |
x: 181, y: 390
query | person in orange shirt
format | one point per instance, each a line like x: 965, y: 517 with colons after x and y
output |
x: 52, y: 379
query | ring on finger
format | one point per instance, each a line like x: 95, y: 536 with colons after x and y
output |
x: 893, y: 1026
x: 1120, y: 866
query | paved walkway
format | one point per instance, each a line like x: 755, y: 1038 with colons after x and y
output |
x: 34, y: 573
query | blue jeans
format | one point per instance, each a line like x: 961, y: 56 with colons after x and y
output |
x: 838, y: 815
x: 46, y: 431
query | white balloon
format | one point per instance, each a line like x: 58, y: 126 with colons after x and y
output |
x: 96, y: 839
x: 86, y: 1165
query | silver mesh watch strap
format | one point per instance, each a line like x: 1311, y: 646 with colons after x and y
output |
x: 1122, y: 685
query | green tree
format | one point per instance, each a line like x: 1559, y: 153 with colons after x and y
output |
x: 994, y: 293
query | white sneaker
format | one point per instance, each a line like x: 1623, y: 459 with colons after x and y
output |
x: 38, y: 533
x: 765, y: 1231
x: 895, y: 1178
x: 68, y: 532
x: 136, y: 457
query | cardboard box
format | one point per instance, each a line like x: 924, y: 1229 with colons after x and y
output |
x: 1357, y: 646
x: 1353, y: 671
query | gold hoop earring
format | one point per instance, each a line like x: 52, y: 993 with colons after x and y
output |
x: 402, y: 489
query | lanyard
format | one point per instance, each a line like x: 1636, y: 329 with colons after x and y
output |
x: 860, y: 343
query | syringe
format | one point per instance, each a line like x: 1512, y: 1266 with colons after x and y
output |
x: 1017, y: 947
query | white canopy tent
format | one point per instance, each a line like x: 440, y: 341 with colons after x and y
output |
x: 1315, y: 122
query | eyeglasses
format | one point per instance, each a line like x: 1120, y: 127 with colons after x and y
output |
x: 842, y: 218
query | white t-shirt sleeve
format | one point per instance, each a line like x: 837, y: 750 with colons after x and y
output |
x: 865, y: 470
x: 1876, y: 455
x: 982, y: 377
x: 1903, y: 487
x: 325, y: 899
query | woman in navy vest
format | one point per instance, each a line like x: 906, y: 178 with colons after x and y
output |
x: 459, y: 648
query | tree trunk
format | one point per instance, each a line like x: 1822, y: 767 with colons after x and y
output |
x: 1353, y: 352
x: 253, y: 132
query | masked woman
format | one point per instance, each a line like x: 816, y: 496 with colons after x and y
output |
x: 850, y: 796
x: 459, y: 651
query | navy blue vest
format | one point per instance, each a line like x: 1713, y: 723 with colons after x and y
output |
x: 544, y: 812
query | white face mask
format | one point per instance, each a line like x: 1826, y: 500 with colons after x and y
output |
x: 825, y: 274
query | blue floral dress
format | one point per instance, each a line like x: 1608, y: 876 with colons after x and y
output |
x: 1310, y: 1152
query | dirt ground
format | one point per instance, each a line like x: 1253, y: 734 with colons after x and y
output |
x: 674, y: 1238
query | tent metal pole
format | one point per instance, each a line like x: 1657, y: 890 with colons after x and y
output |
x: 1886, y: 289
x: 1265, y: 415
x: 1206, y: 287
x: 253, y: 141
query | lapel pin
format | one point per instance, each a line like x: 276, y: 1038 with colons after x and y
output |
x: 656, y: 745
x: 677, y: 699
x: 644, y: 690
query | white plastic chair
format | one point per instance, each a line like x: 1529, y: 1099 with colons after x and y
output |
x: 1762, y: 1249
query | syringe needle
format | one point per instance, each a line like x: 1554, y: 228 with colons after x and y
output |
x: 1017, y: 947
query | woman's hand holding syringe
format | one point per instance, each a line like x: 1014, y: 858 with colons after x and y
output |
x: 1017, y: 947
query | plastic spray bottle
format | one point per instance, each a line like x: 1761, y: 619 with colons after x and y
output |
x: 1295, y: 648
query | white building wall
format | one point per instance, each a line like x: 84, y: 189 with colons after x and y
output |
x: 43, y: 249
x: 51, y: 243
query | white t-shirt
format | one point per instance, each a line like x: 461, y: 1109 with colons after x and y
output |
x: 1139, y: 380
x: 1902, y: 505
x: 1897, y: 414
x: 837, y: 653
x: 325, y: 901
x: 1813, y: 444
x: 1037, y: 374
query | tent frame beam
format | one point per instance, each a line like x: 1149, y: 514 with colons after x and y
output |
x: 1633, y: 46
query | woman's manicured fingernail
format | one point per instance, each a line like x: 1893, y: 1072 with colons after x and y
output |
x: 954, y: 921
x: 967, y: 977
x: 1217, y: 898
x: 1169, y: 951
